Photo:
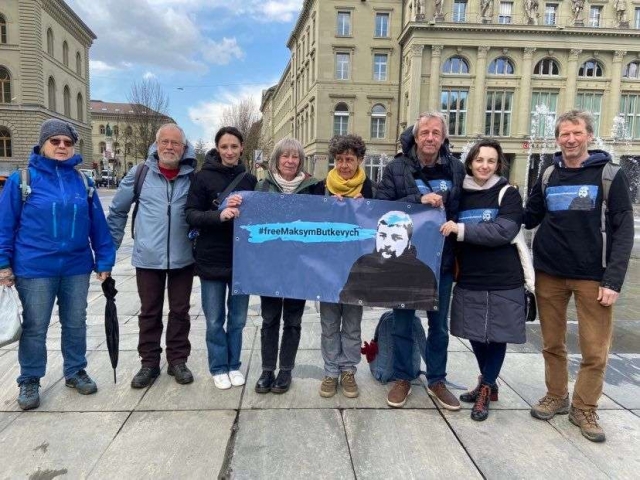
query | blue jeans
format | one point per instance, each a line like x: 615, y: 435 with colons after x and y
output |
x: 437, y: 337
x: 223, y: 347
x: 37, y: 296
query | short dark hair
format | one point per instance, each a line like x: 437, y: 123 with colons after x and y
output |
x: 347, y: 143
x: 475, y: 150
x: 231, y: 131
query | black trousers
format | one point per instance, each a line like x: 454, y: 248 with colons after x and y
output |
x: 291, y: 311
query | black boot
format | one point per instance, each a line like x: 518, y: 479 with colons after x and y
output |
x: 480, y: 410
x: 470, y: 397
x: 283, y: 382
x: 265, y: 382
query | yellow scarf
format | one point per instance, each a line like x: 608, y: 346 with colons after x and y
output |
x: 347, y: 188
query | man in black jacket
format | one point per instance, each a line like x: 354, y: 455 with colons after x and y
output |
x: 425, y: 172
x: 568, y: 259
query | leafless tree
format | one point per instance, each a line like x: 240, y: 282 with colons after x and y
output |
x: 200, y: 149
x: 150, y: 107
x: 244, y: 115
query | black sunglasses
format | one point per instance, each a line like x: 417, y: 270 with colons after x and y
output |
x: 56, y: 141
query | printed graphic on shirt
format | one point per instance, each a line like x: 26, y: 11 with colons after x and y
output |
x: 571, y: 197
x: 422, y: 187
x: 434, y: 186
x: 478, y: 215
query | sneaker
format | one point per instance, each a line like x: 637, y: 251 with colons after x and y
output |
x: 349, y: 385
x: 328, y: 387
x: 548, y: 407
x: 82, y: 383
x: 480, y: 410
x: 181, y: 373
x: 472, y: 395
x: 587, y: 420
x: 29, y: 396
x: 222, y: 381
x: 236, y: 377
x: 443, y: 397
x: 399, y: 393
x: 145, y: 377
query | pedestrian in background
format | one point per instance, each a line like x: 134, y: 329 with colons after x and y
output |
x: 52, y: 236
x: 221, y: 174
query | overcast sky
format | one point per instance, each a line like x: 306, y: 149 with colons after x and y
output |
x: 206, y: 54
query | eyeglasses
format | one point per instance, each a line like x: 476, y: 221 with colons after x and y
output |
x: 56, y: 141
x: 173, y: 143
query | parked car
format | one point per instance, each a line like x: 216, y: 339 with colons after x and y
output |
x: 107, y: 179
x: 91, y: 173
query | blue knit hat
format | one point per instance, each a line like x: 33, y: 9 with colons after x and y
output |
x: 53, y: 127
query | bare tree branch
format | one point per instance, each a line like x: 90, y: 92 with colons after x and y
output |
x: 244, y: 115
x: 150, y: 106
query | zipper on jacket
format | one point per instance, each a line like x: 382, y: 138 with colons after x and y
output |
x: 73, y: 222
x: 169, y: 199
x: 55, y: 221
x: 486, y: 321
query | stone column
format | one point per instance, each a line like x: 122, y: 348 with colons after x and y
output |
x: 434, y: 80
x: 613, y: 104
x: 572, y: 74
x: 415, y: 82
x: 479, y: 91
x: 525, y: 93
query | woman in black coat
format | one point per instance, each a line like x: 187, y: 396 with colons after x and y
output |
x: 207, y: 212
x: 488, y: 306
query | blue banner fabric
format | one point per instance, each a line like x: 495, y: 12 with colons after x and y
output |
x: 362, y: 252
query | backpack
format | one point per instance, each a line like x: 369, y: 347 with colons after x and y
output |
x: 379, y: 352
x: 25, y: 184
x: 608, y: 174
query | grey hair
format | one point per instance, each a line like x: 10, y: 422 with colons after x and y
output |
x: 429, y: 115
x: 171, y: 125
x: 574, y: 116
x: 287, y: 144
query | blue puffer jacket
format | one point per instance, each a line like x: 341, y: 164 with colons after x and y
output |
x: 161, y: 229
x: 54, y: 232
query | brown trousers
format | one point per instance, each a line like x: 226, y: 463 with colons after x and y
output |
x: 595, y: 328
x: 151, y: 285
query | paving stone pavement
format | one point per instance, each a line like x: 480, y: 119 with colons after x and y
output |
x: 197, y: 431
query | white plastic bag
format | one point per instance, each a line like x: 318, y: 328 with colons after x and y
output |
x: 10, y: 323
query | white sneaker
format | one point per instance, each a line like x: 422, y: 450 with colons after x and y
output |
x: 221, y: 381
x: 236, y: 377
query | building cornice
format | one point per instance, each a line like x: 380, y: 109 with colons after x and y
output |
x: 302, y: 19
x: 61, y: 12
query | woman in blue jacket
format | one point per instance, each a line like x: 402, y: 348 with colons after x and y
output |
x: 51, y: 237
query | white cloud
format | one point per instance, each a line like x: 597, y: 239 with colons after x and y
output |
x: 221, y: 53
x: 149, y: 75
x: 281, y: 11
x: 208, y: 114
x: 98, y: 66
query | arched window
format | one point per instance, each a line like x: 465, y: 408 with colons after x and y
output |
x: 128, y: 149
x: 52, y: 94
x: 312, y: 117
x: 102, y: 130
x: 590, y: 68
x: 631, y: 70
x: 65, y: 53
x: 5, y: 142
x: 547, y: 66
x: 80, y: 145
x: 378, y: 121
x: 78, y: 63
x: 116, y: 131
x: 501, y: 66
x: 66, y: 96
x: 3, y: 29
x: 455, y: 64
x: 128, y: 131
x: 5, y: 86
x: 341, y: 119
x: 80, y: 107
x: 50, y: 41
x: 103, y: 147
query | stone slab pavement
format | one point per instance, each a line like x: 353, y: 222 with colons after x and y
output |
x: 197, y: 431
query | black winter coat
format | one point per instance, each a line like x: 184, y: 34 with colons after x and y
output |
x: 399, y: 183
x: 214, y: 246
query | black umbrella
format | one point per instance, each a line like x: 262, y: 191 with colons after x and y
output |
x: 111, y: 322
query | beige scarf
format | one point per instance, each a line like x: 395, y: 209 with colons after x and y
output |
x: 288, y: 186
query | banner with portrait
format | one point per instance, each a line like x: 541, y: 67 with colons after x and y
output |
x: 362, y: 252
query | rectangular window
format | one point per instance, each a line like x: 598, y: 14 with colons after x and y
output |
x: 344, y: 24
x: 592, y: 102
x: 498, y: 114
x: 595, y: 12
x: 453, y: 103
x: 630, y: 114
x: 341, y: 124
x: 506, y: 12
x: 544, y: 106
x: 636, y: 19
x: 550, y: 12
x: 459, y: 11
x: 382, y: 25
x: 380, y: 61
x: 377, y: 127
x: 342, y: 66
